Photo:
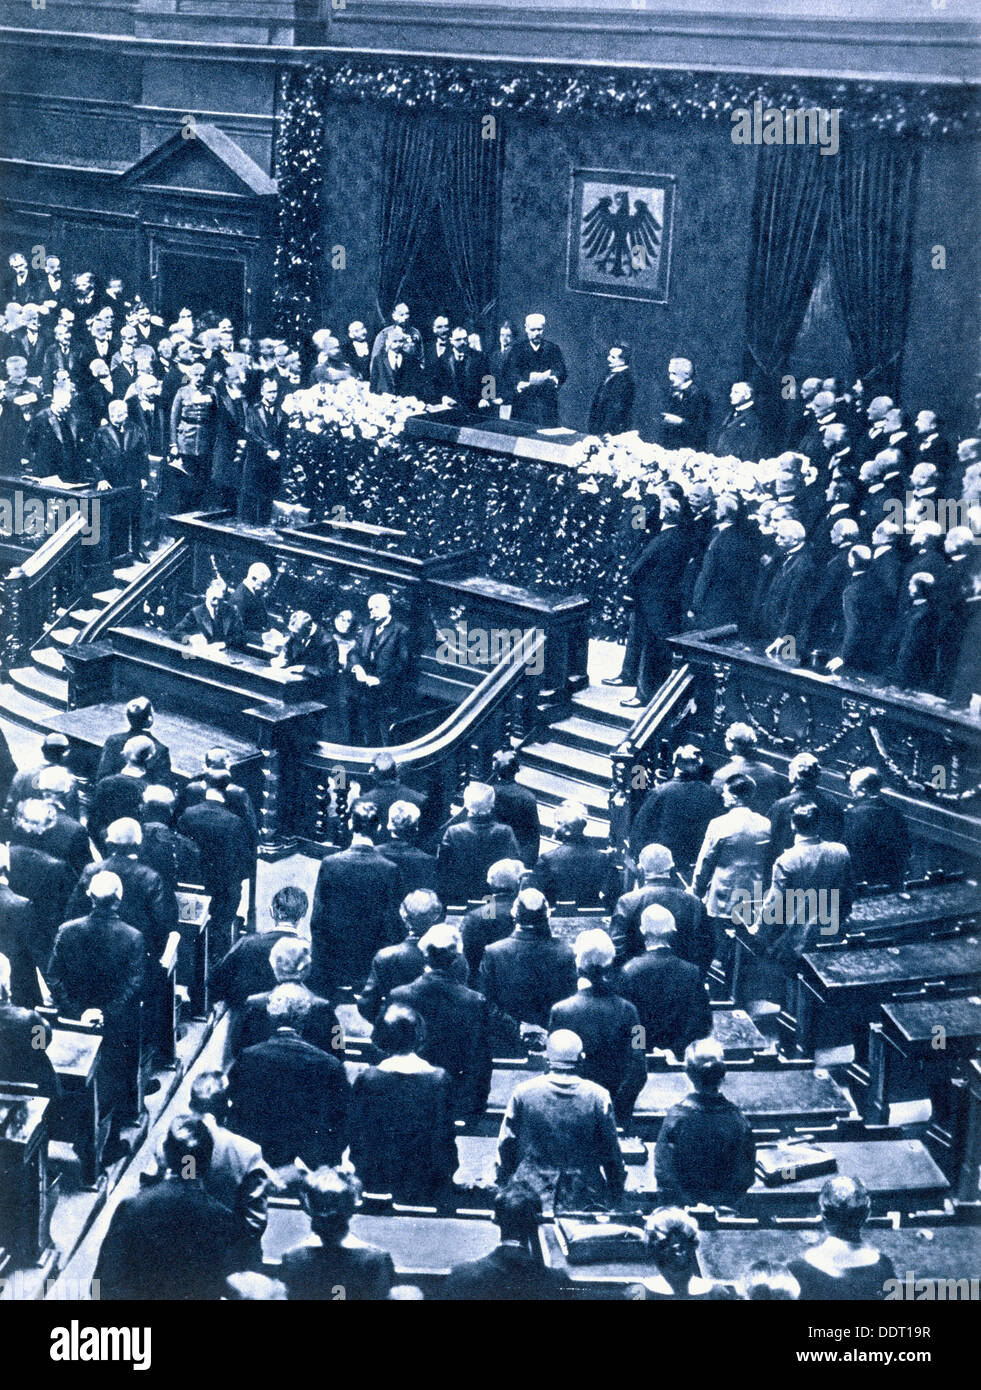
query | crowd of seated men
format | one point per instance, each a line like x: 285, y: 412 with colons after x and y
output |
x: 443, y: 997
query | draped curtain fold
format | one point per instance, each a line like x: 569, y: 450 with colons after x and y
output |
x: 412, y: 164
x: 873, y: 208
x: 470, y: 204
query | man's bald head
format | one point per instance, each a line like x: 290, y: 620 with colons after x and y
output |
x: 563, y: 1049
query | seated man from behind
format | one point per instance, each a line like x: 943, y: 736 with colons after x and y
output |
x: 559, y: 1135
x: 514, y: 1271
x: 705, y: 1149
x: 579, y: 870
x: 332, y: 1258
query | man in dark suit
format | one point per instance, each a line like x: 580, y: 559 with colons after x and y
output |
x: 18, y: 284
x: 740, y: 432
x: 246, y: 969
x: 676, y: 813
x: 19, y: 401
x: 96, y: 974
x: 31, y: 342
x: 396, y: 370
x: 876, y: 833
x: 379, y: 664
x: 705, y: 1148
x: 514, y: 1270
x: 668, y: 993
x: 741, y: 745
x: 804, y: 771
x: 719, y: 594
x: 578, y: 870
x: 24, y: 1036
x: 139, y: 717
x: 355, y: 906
x: 21, y: 941
x: 686, y: 419
x: 787, y: 601
x: 215, y: 620
x: 612, y: 407
x: 265, y: 434
x: 930, y: 444
x: 493, y: 919
x: 46, y: 882
x: 171, y: 1240
x: 357, y: 350
x: 228, y: 454
x: 119, y: 456
x: 522, y: 976
x: 24, y: 784
x: 217, y: 773
x: 862, y: 610
x: 457, y: 1021
x: 694, y: 940
x: 227, y: 857
x: 174, y: 857
x: 387, y: 787
x: 400, y: 965
x: 288, y: 1096
x: 609, y: 1026
x: 655, y: 580
x: 59, y: 356
x: 147, y: 904
x: 810, y: 895
x: 309, y: 649
x: 66, y: 838
x: 824, y: 624
x: 418, y: 869
x: 52, y: 446
x: 289, y: 961
x: 536, y: 372
x: 458, y: 374
x: 470, y: 847
x: 121, y: 794
x: 515, y: 805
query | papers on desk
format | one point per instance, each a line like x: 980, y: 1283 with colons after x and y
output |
x: 556, y: 432
x: 55, y: 481
x: 199, y: 645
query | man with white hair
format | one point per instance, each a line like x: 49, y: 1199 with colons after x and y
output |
x: 20, y: 939
x: 824, y: 622
x: 668, y: 993
x: 52, y: 444
x: 876, y: 437
x: 613, y: 1040
x: 685, y: 421
x: 356, y: 351
x: 740, y: 432
x: 742, y: 747
x: 119, y: 455
x: 660, y: 885
x: 492, y: 920
x: 930, y: 444
x: 418, y: 869
x: 784, y: 607
x: 289, y: 963
x: 915, y: 665
x: 96, y: 973
x: 399, y: 325
x: 146, y: 904
x: 457, y: 1021
x: 379, y: 663
x: 122, y: 793
x: 559, y: 1134
x: 54, y: 752
x: 37, y: 875
x: 401, y: 964
x: 249, y: 597
x: 536, y: 370
x: 865, y: 633
x: 578, y: 870
x: 66, y: 838
x: 470, y: 847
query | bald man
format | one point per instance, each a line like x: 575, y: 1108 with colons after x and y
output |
x: 147, y: 903
x: 249, y: 597
x: 559, y: 1135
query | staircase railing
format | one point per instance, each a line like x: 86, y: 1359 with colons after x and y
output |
x: 150, y: 596
x: 503, y: 707
x: 32, y: 593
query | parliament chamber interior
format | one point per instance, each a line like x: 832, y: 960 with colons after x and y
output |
x: 490, y: 671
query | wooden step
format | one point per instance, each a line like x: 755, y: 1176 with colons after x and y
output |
x: 552, y: 788
x: 64, y: 636
x: 24, y: 710
x: 40, y: 685
x: 602, y: 703
x: 587, y: 733
x: 560, y: 757
x: 597, y: 827
x: 83, y: 616
x: 49, y: 659
x: 105, y: 597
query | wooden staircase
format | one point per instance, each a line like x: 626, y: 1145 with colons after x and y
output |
x: 574, y: 761
x: 36, y: 690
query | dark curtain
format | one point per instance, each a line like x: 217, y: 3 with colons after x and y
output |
x: 470, y: 204
x: 411, y: 169
x: 873, y: 207
x: 791, y: 210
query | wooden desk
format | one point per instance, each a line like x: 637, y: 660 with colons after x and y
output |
x: 855, y: 982
x: 423, y: 1248
x: 75, y: 1057
x: 737, y: 1033
x: 907, y: 1042
x: 948, y: 1252
x: 774, y: 1100
x: 60, y: 503
x: 24, y: 1176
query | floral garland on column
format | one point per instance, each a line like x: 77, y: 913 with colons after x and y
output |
x: 299, y: 161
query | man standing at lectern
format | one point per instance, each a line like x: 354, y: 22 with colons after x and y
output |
x: 379, y: 665
x: 537, y: 370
